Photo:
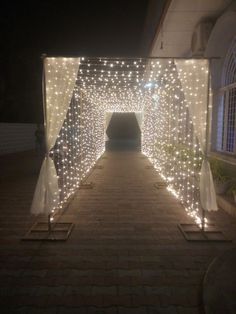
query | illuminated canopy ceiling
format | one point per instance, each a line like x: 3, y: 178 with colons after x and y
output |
x: 172, y: 96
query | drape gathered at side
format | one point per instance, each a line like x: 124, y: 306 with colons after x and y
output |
x: 190, y: 75
x: 60, y: 76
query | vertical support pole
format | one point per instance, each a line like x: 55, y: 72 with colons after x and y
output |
x: 45, y: 134
x: 207, y: 134
x: 49, y: 224
x: 81, y: 134
x: 105, y: 117
x: 44, y: 104
x: 203, y: 220
x: 207, y: 113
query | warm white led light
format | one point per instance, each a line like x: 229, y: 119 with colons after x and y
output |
x: 162, y: 90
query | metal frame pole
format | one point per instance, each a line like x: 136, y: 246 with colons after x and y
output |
x: 207, y: 134
x: 45, y: 133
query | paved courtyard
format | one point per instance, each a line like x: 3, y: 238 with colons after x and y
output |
x: 125, y: 254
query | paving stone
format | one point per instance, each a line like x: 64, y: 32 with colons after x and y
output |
x: 95, y: 310
x: 158, y: 290
x: 130, y: 310
x: 160, y: 310
x: 71, y: 310
x: 117, y: 300
x: 34, y: 273
x: 131, y: 290
x: 21, y: 310
x: 112, y: 290
x: 188, y: 310
x: 129, y: 272
x: 125, y: 253
x: 46, y: 290
x: 78, y: 290
x: 33, y: 310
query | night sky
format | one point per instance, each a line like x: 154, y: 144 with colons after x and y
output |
x: 83, y: 28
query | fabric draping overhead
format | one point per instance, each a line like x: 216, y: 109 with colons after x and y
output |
x: 108, y: 117
x: 60, y: 76
x: 197, y: 101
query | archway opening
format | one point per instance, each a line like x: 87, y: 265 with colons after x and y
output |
x: 123, y: 132
x: 170, y: 100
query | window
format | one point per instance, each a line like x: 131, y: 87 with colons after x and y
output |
x: 227, y: 109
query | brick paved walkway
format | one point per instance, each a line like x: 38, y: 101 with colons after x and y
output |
x: 125, y: 254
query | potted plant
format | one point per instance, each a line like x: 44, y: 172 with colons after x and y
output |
x: 219, y: 177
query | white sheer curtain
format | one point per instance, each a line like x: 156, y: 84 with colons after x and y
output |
x: 193, y: 76
x: 108, y: 117
x: 60, y: 76
x: 139, y: 118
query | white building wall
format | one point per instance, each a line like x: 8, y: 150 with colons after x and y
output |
x: 218, y: 45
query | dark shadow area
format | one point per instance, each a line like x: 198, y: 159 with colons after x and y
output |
x: 123, y: 132
x: 74, y: 28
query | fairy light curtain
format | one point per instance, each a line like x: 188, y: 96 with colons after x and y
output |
x: 60, y: 76
x: 160, y: 93
x: 169, y: 139
x: 195, y: 87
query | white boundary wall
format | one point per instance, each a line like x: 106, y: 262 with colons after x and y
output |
x: 16, y: 137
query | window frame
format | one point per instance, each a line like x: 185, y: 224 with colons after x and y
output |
x: 228, y: 74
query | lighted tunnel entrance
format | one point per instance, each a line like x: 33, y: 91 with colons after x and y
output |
x: 171, y: 94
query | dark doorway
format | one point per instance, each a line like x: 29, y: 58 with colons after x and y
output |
x: 123, y: 132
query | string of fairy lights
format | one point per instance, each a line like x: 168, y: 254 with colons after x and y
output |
x: 151, y: 86
x: 173, y: 147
